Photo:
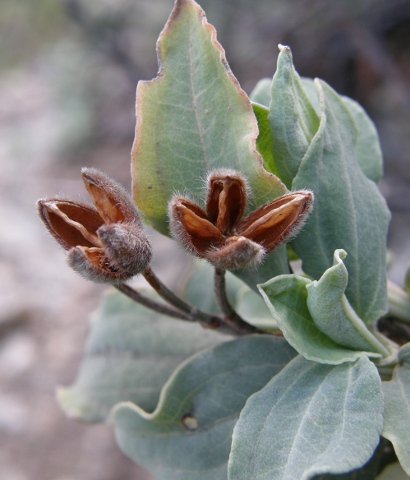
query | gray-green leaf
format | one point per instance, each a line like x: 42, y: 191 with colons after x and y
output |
x: 286, y: 297
x: 130, y: 354
x: 308, y: 420
x: 349, y: 211
x: 189, y: 434
x: 293, y: 120
x: 333, y: 314
x: 367, y: 146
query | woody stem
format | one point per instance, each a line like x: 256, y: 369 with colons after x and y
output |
x: 231, y: 318
x: 152, y: 304
x: 207, y: 319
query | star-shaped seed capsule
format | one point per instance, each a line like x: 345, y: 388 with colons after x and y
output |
x: 222, y: 236
x: 106, y: 244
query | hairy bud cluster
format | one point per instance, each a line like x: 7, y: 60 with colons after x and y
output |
x: 220, y: 235
x: 106, y: 244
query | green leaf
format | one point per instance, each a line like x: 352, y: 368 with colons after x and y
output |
x: 286, y: 297
x: 308, y: 420
x: 333, y: 160
x: 130, y: 354
x: 397, y: 409
x: 349, y: 211
x: 366, y: 144
x: 191, y: 119
x: 262, y: 92
x: 333, y: 314
x: 367, y: 147
x: 188, y: 436
x: 293, y: 120
x: 264, y: 141
x: 311, y: 91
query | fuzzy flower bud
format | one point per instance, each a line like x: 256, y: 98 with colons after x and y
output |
x: 106, y: 244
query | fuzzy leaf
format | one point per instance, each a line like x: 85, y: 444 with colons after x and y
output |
x: 333, y: 314
x: 349, y: 211
x: 193, y: 118
x: 308, y: 420
x: 286, y: 297
x: 130, y: 354
x: 188, y: 436
x: 367, y: 148
x: 366, y: 144
x: 331, y: 154
x: 397, y: 409
x: 293, y: 120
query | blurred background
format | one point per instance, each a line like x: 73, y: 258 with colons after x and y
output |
x: 68, y: 73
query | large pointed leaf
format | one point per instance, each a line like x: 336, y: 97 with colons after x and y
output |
x: 293, y: 120
x: 189, y: 434
x: 333, y: 161
x: 333, y: 314
x: 193, y: 118
x: 366, y: 144
x: 286, y: 297
x: 367, y: 148
x: 349, y: 211
x: 397, y: 409
x: 131, y: 352
x: 308, y: 420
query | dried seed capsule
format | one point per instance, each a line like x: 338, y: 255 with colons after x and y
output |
x: 221, y: 237
x: 106, y: 244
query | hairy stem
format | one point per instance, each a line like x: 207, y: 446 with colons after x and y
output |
x: 230, y: 317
